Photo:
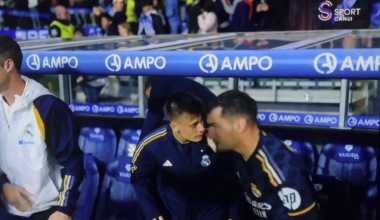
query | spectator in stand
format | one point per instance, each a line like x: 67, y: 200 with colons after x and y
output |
x: 132, y: 18
x: 159, y: 6
x: 172, y: 9
x: 117, y: 5
x: 230, y: 9
x: 79, y: 32
x: 207, y: 21
x: 61, y: 26
x: 222, y: 15
x: 124, y: 29
x: 193, y: 11
x: 241, y: 19
x: 106, y: 23
x: 150, y: 22
x: 266, y: 15
x: 117, y: 8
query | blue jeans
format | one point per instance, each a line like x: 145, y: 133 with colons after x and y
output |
x: 92, y: 93
x: 174, y: 26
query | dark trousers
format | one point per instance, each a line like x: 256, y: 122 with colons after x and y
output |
x: 36, y: 216
x: 92, y: 93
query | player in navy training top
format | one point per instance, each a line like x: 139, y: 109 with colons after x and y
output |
x: 174, y: 169
x: 158, y: 89
x: 275, y: 180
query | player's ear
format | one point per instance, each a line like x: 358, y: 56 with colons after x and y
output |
x: 174, y: 126
x: 8, y: 65
x: 241, y: 124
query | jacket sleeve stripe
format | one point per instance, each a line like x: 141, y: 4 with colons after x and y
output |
x: 271, y: 179
x: 142, y: 146
x: 273, y: 164
x: 149, y: 136
x: 303, y: 211
x: 40, y: 123
x: 146, y: 140
x: 64, y: 194
x: 270, y: 167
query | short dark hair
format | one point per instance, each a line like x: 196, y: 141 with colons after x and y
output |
x: 9, y: 49
x: 147, y: 3
x: 207, y: 5
x: 235, y: 102
x: 106, y: 15
x: 81, y: 30
x: 180, y: 103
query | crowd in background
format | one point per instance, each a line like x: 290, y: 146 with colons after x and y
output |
x: 153, y: 17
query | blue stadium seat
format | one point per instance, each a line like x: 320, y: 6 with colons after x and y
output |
x: 302, y: 147
x: 89, y: 190
x: 118, y: 200
x: 333, y: 198
x: 306, y: 150
x: 353, y: 164
x: 128, y: 140
x: 98, y: 140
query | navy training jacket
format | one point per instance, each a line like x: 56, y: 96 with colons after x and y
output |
x: 192, y: 183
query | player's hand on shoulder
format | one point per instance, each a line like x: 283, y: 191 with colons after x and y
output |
x: 17, y: 197
x: 59, y: 216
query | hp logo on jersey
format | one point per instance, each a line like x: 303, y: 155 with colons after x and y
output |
x: 113, y: 63
x: 211, y: 63
x: 33, y: 62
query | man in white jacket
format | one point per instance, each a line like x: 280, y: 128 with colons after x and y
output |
x: 40, y: 160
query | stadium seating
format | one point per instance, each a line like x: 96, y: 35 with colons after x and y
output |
x: 89, y: 190
x: 333, y: 198
x: 118, y: 200
x: 304, y: 148
x: 354, y: 165
x: 128, y: 140
x: 98, y: 140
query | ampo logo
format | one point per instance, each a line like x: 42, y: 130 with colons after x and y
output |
x: 120, y: 109
x: 33, y: 62
x: 308, y: 119
x: 261, y: 117
x: 115, y: 64
x: 71, y: 106
x: 273, y: 117
x: 352, y: 121
x: 95, y: 109
x: 329, y: 61
x: 212, y: 63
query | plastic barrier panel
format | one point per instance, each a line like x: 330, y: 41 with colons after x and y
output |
x: 362, y: 122
x: 331, y: 63
x: 327, y: 120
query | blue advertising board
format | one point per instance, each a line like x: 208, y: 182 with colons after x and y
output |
x: 330, y: 63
